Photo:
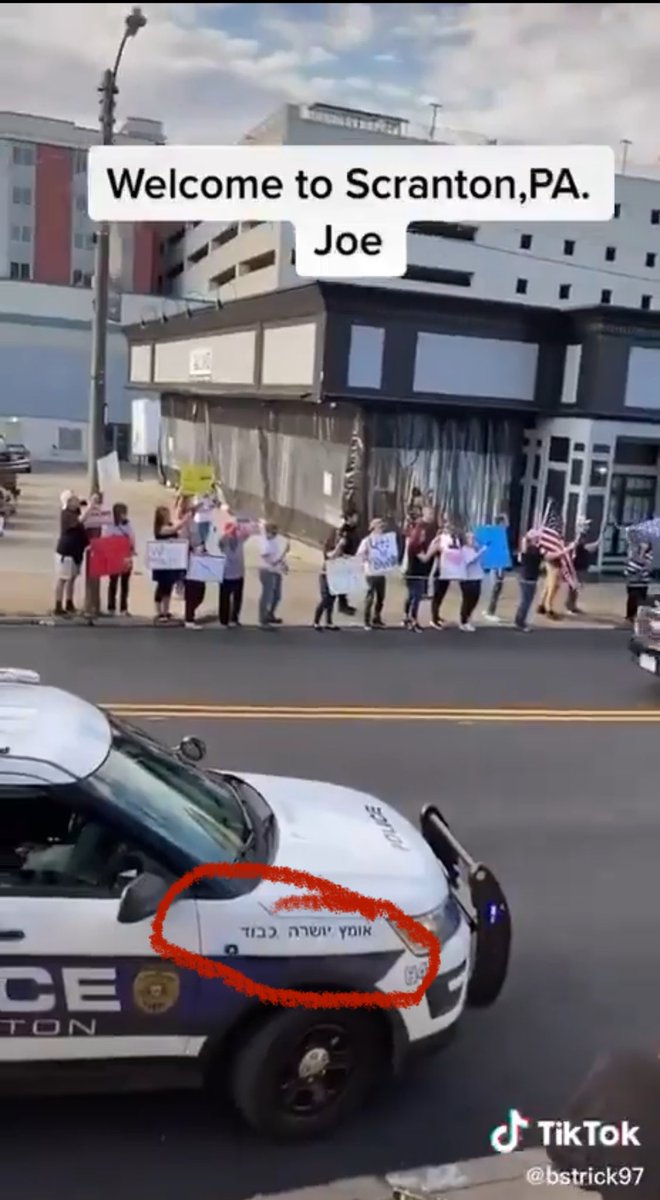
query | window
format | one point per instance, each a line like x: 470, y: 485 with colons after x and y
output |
x: 25, y: 271
x: 650, y: 259
x: 258, y: 263
x: 646, y: 302
x: 564, y: 291
x: 610, y: 253
x: 444, y: 229
x: 81, y: 204
x: 521, y: 287
x: 559, y: 449
x: 15, y: 233
x: 569, y: 248
x: 601, y: 448
x: 598, y: 476
x: 14, y: 270
x: 23, y: 156
x: 606, y: 296
x: 22, y: 195
x: 655, y: 216
x: 576, y: 472
x: 179, y: 805
x: 87, y: 279
x: 68, y: 438
x: 617, y: 211
x: 439, y: 275
x: 48, y: 843
x: 525, y: 241
x: 76, y: 278
x: 91, y: 241
x: 579, y: 446
x: 78, y: 241
x: 26, y: 233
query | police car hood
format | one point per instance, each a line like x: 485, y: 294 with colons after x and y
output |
x: 353, y: 839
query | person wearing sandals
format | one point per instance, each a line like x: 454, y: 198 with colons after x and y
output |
x: 166, y: 528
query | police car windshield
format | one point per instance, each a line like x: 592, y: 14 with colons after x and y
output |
x: 179, y: 804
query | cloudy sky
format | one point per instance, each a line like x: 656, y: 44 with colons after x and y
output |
x: 536, y: 72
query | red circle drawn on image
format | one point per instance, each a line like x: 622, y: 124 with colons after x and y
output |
x: 321, y: 896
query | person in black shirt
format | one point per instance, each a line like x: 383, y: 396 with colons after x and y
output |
x: 529, y: 571
x: 582, y: 552
x: 348, y: 532
x: 418, y: 564
x: 70, y: 550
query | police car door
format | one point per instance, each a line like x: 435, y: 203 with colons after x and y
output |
x: 75, y: 983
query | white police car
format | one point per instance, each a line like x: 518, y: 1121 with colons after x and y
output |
x: 97, y: 820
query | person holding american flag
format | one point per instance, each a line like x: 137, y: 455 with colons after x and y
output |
x: 558, y: 559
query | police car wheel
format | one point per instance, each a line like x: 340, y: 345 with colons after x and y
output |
x: 304, y: 1071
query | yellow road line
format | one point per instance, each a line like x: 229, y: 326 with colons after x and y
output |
x: 231, y: 712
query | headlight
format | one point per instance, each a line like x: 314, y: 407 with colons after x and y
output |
x: 443, y: 922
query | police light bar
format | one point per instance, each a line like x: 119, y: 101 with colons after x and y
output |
x: 18, y: 675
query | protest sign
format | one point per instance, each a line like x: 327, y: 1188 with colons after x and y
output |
x: 452, y: 563
x: 383, y: 554
x: 345, y: 576
x: 206, y: 568
x: 109, y: 474
x: 167, y: 555
x: 196, y: 480
x: 497, y: 556
x: 109, y: 556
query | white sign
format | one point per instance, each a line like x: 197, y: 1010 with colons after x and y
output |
x: 109, y: 474
x: 345, y: 576
x: 206, y: 568
x: 383, y: 555
x: 351, y: 205
x: 201, y: 363
x: 327, y: 483
x: 167, y: 555
x: 95, y: 517
x: 452, y: 564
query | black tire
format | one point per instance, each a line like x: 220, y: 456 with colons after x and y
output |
x: 271, y: 1052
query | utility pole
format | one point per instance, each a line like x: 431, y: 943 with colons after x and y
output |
x: 435, y: 109
x: 135, y: 21
x: 625, y: 147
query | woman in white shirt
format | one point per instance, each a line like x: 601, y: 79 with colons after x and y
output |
x: 470, y: 585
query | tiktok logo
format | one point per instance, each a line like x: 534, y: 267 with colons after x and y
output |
x: 505, y: 1138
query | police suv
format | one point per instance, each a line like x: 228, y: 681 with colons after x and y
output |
x: 97, y: 820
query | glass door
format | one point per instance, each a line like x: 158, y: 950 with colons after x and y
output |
x: 632, y: 499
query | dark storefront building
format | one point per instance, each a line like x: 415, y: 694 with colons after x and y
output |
x: 325, y: 396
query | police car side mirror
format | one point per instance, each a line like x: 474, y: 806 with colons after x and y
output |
x: 141, y: 898
x: 192, y: 748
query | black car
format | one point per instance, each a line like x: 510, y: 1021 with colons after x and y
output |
x: 19, y: 458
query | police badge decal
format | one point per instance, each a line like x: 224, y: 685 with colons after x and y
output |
x: 156, y: 991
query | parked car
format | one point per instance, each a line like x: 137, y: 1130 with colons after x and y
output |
x: 19, y: 457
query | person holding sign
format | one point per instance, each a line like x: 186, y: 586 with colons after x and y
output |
x: 166, y: 528
x: 334, y: 548
x: 379, y: 553
x: 446, y: 559
x: 470, y: 585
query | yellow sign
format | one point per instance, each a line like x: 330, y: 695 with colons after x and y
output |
x: 156, y: 991
x: 195, y: 480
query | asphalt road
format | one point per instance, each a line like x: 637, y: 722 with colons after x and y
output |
x: 563, y: 808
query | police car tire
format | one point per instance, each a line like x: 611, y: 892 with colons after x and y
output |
x: 258, y: 1062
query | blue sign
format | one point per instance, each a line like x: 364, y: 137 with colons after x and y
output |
x: 498, y: 554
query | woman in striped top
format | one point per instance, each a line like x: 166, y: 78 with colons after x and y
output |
x: 637, y: 573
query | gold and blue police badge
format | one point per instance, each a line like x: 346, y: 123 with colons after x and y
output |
x: 156, y: 990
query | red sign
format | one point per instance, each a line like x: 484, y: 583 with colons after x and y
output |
x: 109, y: 556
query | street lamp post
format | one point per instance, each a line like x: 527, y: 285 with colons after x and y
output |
x: 135, y: 21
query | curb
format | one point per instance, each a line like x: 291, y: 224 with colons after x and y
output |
x: 496, y: 1177
x: 35, y: 620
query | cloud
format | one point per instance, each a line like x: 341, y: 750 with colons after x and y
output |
x: 537, y: 72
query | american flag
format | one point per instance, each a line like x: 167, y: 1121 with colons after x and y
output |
x: 553, y: 545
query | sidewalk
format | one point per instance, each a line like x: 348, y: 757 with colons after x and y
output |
x: 27, y: 566
x: 518, y: 1176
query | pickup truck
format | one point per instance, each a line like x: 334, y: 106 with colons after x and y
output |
x: 645, y: 642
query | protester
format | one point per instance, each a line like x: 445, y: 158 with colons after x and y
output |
x: 348, y: 531
x: 471, y: 585
x: 637, y: 574
x: 231, y: 543
x: 442, y: 576
x: 70, y: 551
x: 376, y: 584
x: 417, y: 564
x: 333, y: 548
x: 166, y: 528
x: 194, y: 590
x: 203, y: 508
x: 121, y: 527
x: 529, y: 571
x: 497, y: 577
x: 583, y: 549
x: 273, y: 550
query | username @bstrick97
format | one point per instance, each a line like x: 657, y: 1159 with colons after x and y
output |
x: 589, y: 1179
